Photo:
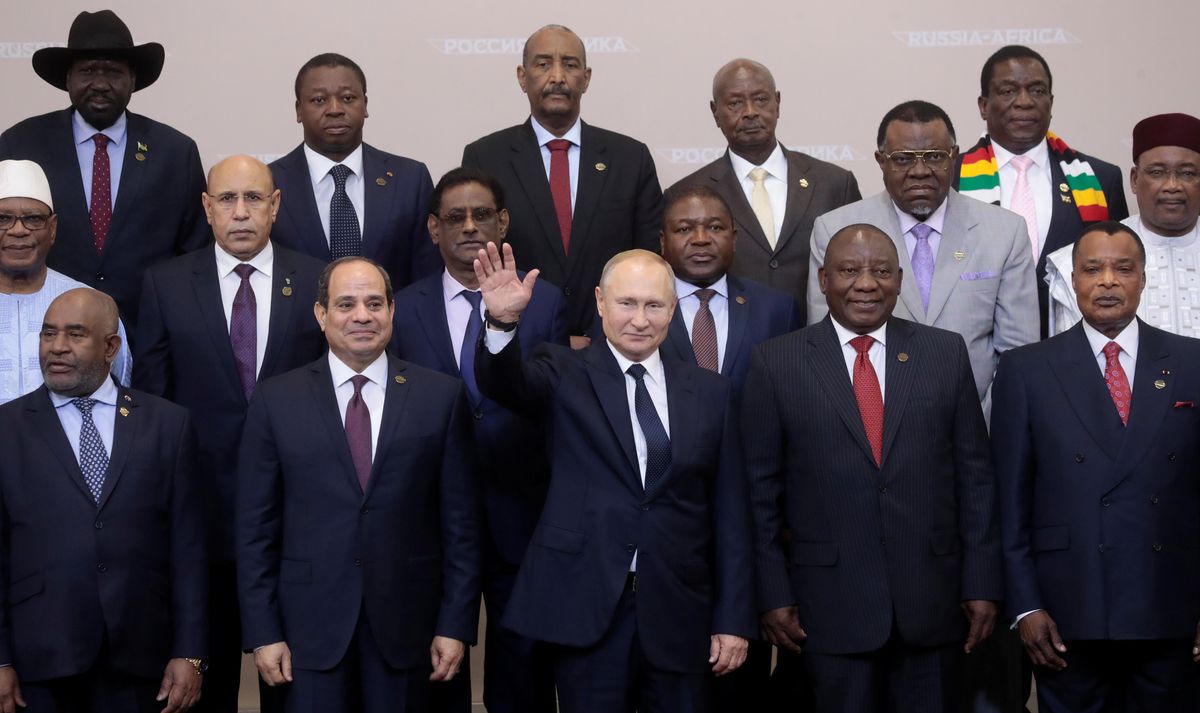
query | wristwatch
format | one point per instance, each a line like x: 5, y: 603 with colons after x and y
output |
x: 200, y: 664
x: 497, y: 324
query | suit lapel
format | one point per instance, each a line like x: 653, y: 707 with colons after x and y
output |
x: 898, y: 379
x: 1150, y: 404
x: 798, y: 196
x: 63, y: 153
x: 910, y: 296
x: 678, y: 338
x: 730, y: 188
x: 133, y: 174
x: 1084, y: 389
x: 829, y: 366
x: 125, y: 429
x: 681, y: 404
x: 737, y: 314
x: 321, y: 388
x: 377, y: 198
x: 282, y: 278
x: 50, y: 429
x: 530, y: 171
x: 592, y: 152
x: 394, y: 400
x: 432, y: 316
x: 300, y: 203
x: 609, y: 384
x: 955, y: 239
x: 207, y: 289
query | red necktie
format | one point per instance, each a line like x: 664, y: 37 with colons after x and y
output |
x: 560, y: 187
x: 1118, y: 384
x: 704, y: 332
x: 101, y: 209
x: 870, y: 399
x: 358, y: 432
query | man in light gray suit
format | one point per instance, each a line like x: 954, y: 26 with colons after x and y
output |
x: 968, y: 266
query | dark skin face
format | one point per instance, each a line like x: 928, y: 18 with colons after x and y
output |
x: 23, y: 251
x: 919, y: 190
x: 1109, y: 276
x: 78, y: 342
x: 698, y: 239
x: 861, y: 279
x: 100, y: 89
x: 332, y: 107
x: 554, y: 78
x: 1166, y: 181
x: 467, y: 221
x: 745, y: 106
x: 1018, y: 103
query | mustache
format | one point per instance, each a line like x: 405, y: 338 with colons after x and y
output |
x: 556, y: 89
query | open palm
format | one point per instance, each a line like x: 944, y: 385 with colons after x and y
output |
x: 505, y: 294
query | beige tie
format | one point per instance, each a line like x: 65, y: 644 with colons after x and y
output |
x: 761, y: 203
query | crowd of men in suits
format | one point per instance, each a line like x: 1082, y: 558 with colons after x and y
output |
x: 314, y: 410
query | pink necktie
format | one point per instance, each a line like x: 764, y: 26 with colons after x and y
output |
x: 1022, y: 200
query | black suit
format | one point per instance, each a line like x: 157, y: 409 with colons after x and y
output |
x: 185, y: 355
x: 618, y: 206
x: 157, y: 214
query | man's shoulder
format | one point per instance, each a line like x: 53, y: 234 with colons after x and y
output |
x: 759, y: 290
x: 611, y: 138
x: 1098, y: 165
x: 872, y: 207
x: 41, y: 123
x: 396, y: 162
x: 706, y: 173
x: 302, y: 262
x: 291, y: 158
x: 155, y: 131
x: 500, y: 139
x: 416, y: 290
x: 154, y: 406
x: 170, y: 271
x: 989, y: 214
x: 814, y: 165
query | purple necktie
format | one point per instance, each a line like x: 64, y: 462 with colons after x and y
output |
x: 243, y: 330
x: 358, y: 432
x: 922, y: 262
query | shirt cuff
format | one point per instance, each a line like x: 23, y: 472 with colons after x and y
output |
x: 1022, y: 616
x: 495, y: 341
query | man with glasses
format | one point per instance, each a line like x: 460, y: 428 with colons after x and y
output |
x: 28, y: 225
x: 967, y: 264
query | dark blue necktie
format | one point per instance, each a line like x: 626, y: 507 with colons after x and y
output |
x: 658, y: 445
x: 344, y: 236
x: 466, y: 355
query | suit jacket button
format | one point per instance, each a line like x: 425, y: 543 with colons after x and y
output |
x: 1154, y: 500
x: 883, y: 489
x: 357, y: 562
x: 631, y: 548
x: 100, y: 276
x: 1157, y: 547
x: 1103, y: 549
x: 568, y: 291
x: 101, y: 567
x: 1078, y: 457
x: 478, y: 415
x: 774, y: 264
x: 1105, y: 502
x: 1171, y: 457
x: 645, y: 508
x: 99, y: 524
x: 364, y: 510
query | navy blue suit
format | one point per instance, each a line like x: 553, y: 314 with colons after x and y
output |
x: 1099, y: 519
x: 124, y: 582
x: 513, y: 474
x: 393, y: 228
x: 157, y: 214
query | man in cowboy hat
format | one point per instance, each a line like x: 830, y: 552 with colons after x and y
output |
x: 128, y: 194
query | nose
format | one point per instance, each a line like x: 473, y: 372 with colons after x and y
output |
x: 335, y: 107
x: 920, y: 168
x: 558, y: 73
x: 360, y: 314
x: 866, y: 282
x: 469, y: 225
x: 640, y: 320
x: 60, y: 343
x: 240, y: 210
x: 701, y: 236
x: 18, y: 229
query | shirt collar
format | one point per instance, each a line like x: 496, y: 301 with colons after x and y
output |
x: 936, y: 220
x: 1040, y: 155
x: 776, y: 164
x: 261, y: 262
x: 452, y: 288
x: 83, y: 131
x: 1154, y: 239
x: 318, y: 165
x: 1127, y: 339
x: 683, y: 288
x: 845, y: 335
x: 574, y: 134
x: 106, y: 394
x: 376, y: 371
x: 653, y: 363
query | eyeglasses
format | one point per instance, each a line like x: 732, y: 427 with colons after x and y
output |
x: 934, y: 159
x: 35, y: 221
x: 457, y: 217
x: 1158, y: 174
x: 253, y: 200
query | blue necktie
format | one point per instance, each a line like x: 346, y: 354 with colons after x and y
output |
x: 466, y: 355
x: 93, y: 459
x: 344, y: 236
x: 658, y: 445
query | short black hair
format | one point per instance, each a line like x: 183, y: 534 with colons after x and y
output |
x: 1110, y: 227
x: 914, y: 111
x: 683, y: 191
x: 327, y: 273
x: 1006, y: 53
x: 330, y: 59
x: 461, y: 176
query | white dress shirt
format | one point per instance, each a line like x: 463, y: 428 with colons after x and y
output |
x: 936, y: 220
x: 775, y: 182
x: 373, y: 391
x: 1039, y: 176
x: 718, y: 305
x: 103, y: 415
x: 260, y: 282
x: 458, y: 312
x: 1127, y: 340
x: 574, y: 135
x: 85, y: 152
x: 877, y: 354
x: 323, y: 185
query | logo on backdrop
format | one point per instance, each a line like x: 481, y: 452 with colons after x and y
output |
x: 515, y: 45
x: 704, y: 155
x: 919, y: 39
x: 24, y: 50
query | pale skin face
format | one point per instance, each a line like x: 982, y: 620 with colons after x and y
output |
x: 241, y: 204
x: 636, y: 303
x: 358, y: 321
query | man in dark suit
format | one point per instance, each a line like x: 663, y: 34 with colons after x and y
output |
x: 636, y: 572
x: 577, y: 194
x: 774, y: 193
x: 438, y: 322
x: 1096, y: 441
x: 358, y: 527
x: 867, y: 441
x: 342, y: 196
x: 125, y: 187
x: 1020, y: 165
x: 103, y: 605
x: 208, y: 335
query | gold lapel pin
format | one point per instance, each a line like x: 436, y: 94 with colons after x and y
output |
x: 123, y: 411
x: 287, y: 291
x: 1166, y: 372
x: 740, y: 300
x: 390, y: 174
x: 804, y: 183
x: 400, y: 379
x: 381, y: 181
x: 601, y: 166
x: 1062, y: 187
x: 1065, y: 198
x: 143, y: 147
x: 130, y: 398
x: 1160, y: 384
x: 902, y: 357
x: 140, y: 156
x: 959, y: 255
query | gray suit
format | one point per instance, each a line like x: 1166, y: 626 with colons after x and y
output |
x: 983, y: 277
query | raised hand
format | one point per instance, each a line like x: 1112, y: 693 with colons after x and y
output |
x: 504, y: 293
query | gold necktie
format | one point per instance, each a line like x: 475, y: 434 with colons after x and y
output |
x: 761, y: 203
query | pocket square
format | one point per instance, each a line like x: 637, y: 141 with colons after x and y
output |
x: 984, y: 275
x: 1185, y: 404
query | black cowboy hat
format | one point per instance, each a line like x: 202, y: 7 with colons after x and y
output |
x: 99, y: 34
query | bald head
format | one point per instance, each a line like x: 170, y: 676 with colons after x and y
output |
x: 635, y: 300
x: 241, y: 203
x: 745, y: 105
x: 240, y: 164
x: 860, y: 277
x: 741, y: 67
x: 79, y: 341
x: 531, y: 42
x: 863, y: 233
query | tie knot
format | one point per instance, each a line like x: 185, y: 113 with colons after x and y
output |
x: 637, y: 371
x: 862, y: 344
x: 1022, y: 163
x: 84, y: 405
x: 340, y: 173
x: 359, y: 381
x: 474, y: 297
x: 101, y: 141
x: 921, y: 231
x: 244, y: 271
x: 558, y: 145
x: 758, y: 175
x: 1112, y: 350
x: 705, y: 294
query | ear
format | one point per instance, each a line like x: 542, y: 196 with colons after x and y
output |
x: 587, y: 79
x: 982, y: 103
x: 276, y: 201
x: 433, y: 225
x: 521, y: 76
x: 319, y: 313
x: 208, y: 206
x: 502, y: 223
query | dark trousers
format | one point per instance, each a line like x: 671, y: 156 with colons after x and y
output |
x: 362, y: 682
x: 748, y: 688
x: 897, y: 678
x: 517, y: 676
x: 613, y: 675
x: 100, y: 690
x: 1156, y: 676
x: 998, y: 674
x: 789, y: 690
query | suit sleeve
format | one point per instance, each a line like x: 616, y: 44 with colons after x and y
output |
x: 1015, y: 318
x: 469, y: 159
x: 462, y: 529
x: 521, y: 386
x: 795, y: 319
x: 648, y: 208
x: 259, y: 512
x: 194, y: 231
x: 426, y: 259
x: 816, y: 259
x: 152, y: 367
x: 734, y: 609
x: 189, y: 564
x: 852, y: 194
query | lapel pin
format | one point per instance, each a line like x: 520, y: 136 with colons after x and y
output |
x: 123, y: 411
x: 140, y: 156
x: 1062, y: 187
x: 1065, y: 198
x: 1160, y: 384
x: 804, y: 183
x: 740, y: 300
x: 390, y: 174
x: 287, y: 291
x: 601, y: 166
x: 381, y: 181
x: 959, y: 255
x: 142, y: 146
x: 902, y: 357
x: 128, y: 398
x: 400, y: 379
x: 1166, y: 372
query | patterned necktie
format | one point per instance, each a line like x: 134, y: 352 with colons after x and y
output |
x: 760, y: 202
x: 93, y: 458
x: 560, y: 187
x: 100, y: 213
x: 358, y: 432
x: 466, y: 355
x: 658, y: 444
x: 922, y: 262
x: 1022, y: 200
x: 704, y: 331
x: 344, y: 236
x: 868, y: 395
x: 243, y: 330
x: 1118, y: 384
